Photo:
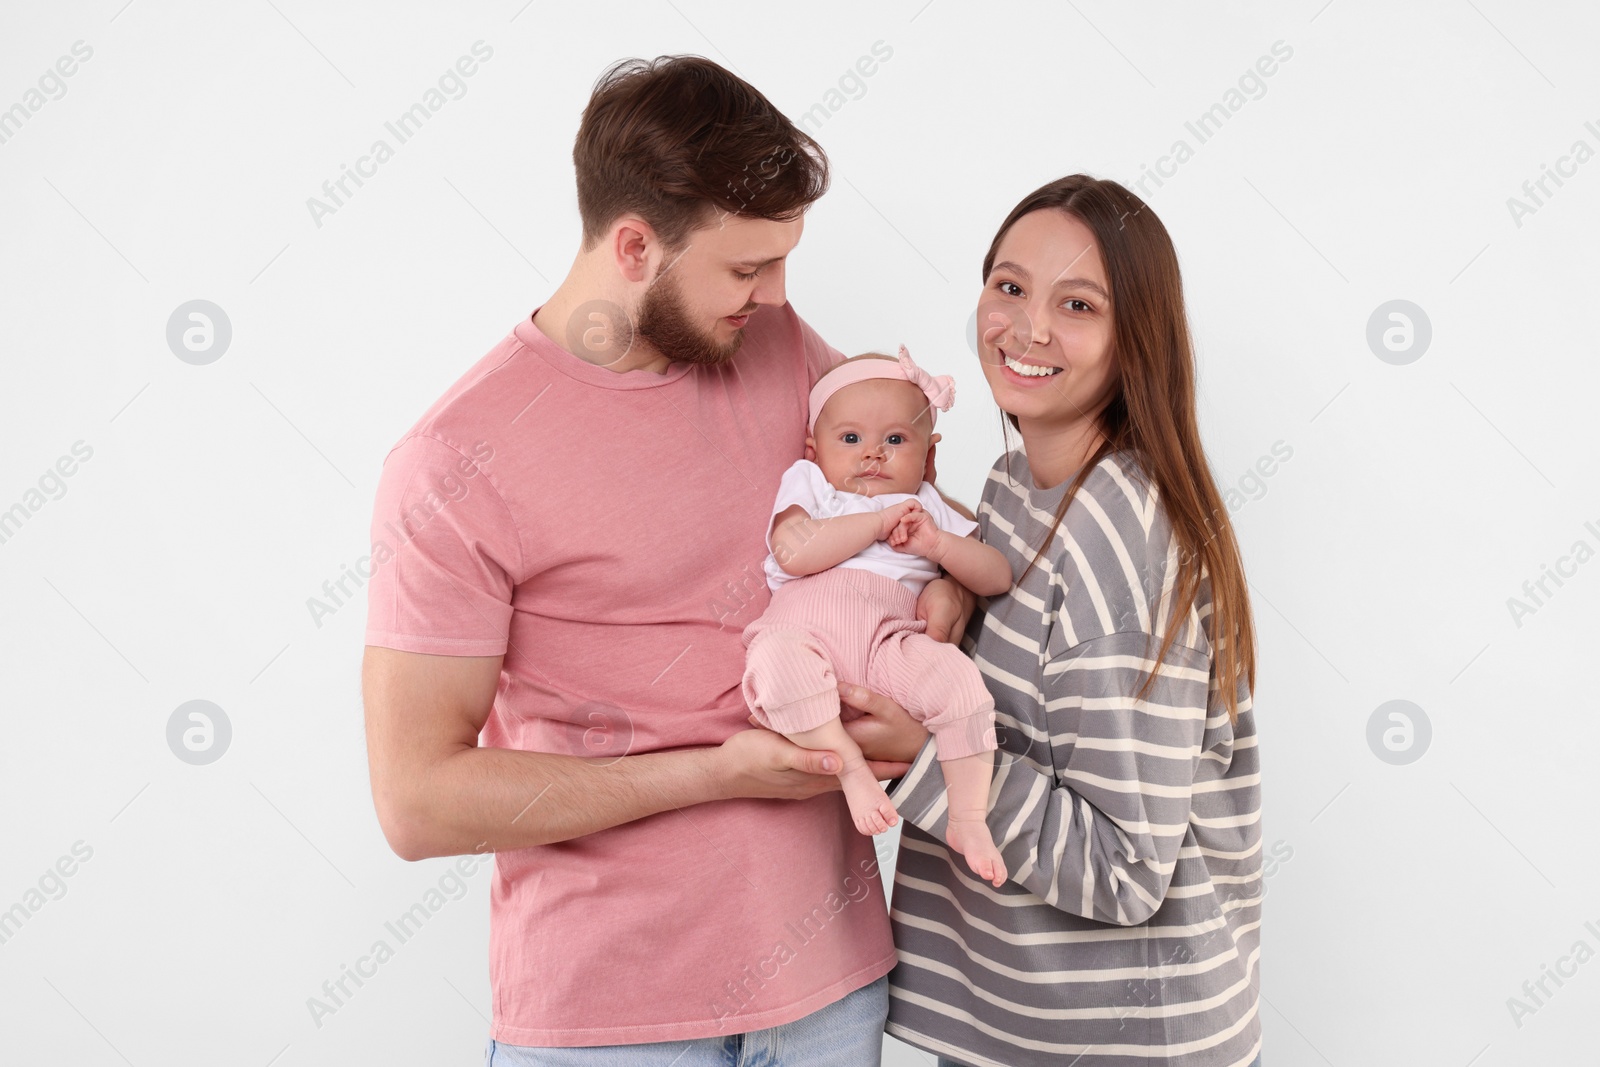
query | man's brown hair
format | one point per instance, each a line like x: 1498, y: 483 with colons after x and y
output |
x: 677, y: 139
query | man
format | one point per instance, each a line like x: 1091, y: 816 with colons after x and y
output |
x: 571, y: 544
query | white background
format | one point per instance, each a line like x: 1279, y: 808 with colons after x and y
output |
x: 176, y: 563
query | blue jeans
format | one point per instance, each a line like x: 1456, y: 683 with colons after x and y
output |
x: 846, y: 1033
x: 945, y: 1062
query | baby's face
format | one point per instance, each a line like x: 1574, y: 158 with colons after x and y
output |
x: 872, y: 437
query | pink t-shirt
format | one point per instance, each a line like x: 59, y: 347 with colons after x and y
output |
x: 605, y: 531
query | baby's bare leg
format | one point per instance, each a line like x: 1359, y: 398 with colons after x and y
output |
x: 966, y: 783
x: 870, y: 806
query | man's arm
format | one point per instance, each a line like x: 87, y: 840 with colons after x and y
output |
x: 438, y: 794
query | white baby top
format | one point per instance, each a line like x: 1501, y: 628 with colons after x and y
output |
x: 804, y: 484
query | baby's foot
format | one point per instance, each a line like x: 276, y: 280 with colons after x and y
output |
x: 870, y: 806
x: 971, y: 838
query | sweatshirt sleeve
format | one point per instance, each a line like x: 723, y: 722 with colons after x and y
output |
x: 1099, y: 838
x: 1092, y: 821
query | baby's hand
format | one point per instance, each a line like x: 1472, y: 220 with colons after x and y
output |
x: 890, y: 517
x: 916, y: 535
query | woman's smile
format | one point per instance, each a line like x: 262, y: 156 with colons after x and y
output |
x: 1025, y: 373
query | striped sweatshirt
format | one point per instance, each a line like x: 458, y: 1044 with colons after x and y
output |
x: 1128, y: 929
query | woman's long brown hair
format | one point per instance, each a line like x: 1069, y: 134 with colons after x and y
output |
x: 1152, y: 412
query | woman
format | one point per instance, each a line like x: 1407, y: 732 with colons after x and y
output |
x: 1126, y: 797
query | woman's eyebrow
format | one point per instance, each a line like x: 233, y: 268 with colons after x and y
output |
x: 1080, y: 283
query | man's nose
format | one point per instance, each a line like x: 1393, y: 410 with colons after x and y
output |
x: 769, y: 290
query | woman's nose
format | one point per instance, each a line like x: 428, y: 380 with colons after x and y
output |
x: 1037, y: 327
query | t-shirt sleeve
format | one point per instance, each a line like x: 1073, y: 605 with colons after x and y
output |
x: 820, y: 355
x: 946, y: 516
x: 445, y: 555
x: 798, y: 486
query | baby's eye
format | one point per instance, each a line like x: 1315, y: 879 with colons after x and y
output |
x: 850, y: 437
x: 897, y: 439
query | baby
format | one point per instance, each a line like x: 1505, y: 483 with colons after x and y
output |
x: 855, y: 535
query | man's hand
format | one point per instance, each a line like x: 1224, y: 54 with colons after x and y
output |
x: 763, y: 763
x: 946, y: 605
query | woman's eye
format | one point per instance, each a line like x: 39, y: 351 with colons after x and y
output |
x: 897, y: 439
x: 1006, y: 287
x: 850, y: 438
x: 1078, y: 305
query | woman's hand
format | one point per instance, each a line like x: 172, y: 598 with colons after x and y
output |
x: 883, y: 730
x: 945, y: 605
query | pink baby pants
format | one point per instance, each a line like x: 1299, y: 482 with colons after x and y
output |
x: 846, y: 624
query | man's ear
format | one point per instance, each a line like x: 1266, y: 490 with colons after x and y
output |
x: 927, y: 469
x: 633, y: 243
x: 811, y: 448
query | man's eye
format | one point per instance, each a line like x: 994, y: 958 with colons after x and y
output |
x: 850, y: 438
x: 743, y: 277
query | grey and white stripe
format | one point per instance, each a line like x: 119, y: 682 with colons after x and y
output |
x: 1129, y: 928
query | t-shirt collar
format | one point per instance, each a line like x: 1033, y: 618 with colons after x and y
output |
x: 589, y: 373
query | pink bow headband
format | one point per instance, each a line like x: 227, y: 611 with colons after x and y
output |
x: 940, y: 389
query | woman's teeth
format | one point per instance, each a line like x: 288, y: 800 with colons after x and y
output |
x: 1029, y: 370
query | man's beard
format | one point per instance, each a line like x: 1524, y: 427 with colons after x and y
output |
x: 665, y: 322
